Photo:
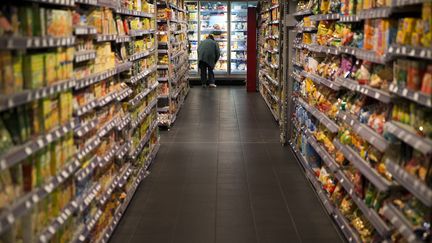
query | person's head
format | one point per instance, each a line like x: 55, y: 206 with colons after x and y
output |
x: 210, y: 36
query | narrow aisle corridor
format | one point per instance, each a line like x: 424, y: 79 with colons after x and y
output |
x: 221, y: 175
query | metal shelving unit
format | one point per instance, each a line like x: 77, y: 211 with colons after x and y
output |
x: 173, y: 76
x: 390, y: 219
x: 89, y: 127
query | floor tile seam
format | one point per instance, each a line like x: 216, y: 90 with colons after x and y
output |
x: 149, y: 192
x: 250, y: 196
x: 217, y: 194
x: 180, y: 204
x: 247, y: 178
x: 286, y: 204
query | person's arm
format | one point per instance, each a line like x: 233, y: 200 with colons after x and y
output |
x: 217, y: 52
x: 199, y: 50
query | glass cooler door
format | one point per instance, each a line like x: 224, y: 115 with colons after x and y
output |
x: 238, y: 37
x: 193, y: 34
x: 214, y: 20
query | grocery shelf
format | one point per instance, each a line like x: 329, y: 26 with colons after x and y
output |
x: 17, y: 43
x: 306, y: 29
x: 139, y: 97
x: 303, y: 13
x: 68, y: 3
x: 106, y: 37
x: 320, y: 80
x: 87, y: 2
x: 124, y: 38
x: 366, y: 54
x: 85, y: 30
x: 141, y: 75
x: 370, y: 214
x: 162, y: 80
x: 134, y: 154
x: 121, y: 95
x: 20, y: 152
x: 27, y: 96
x: 410, y: 51
x: 364, y: 131
x: 375, y: 13
x: 124, y: 150
x: 344, y: 225
x: 377, y: 94
x: 163, y: 109
x: 400, y: 223
x: 322, y: 195
x: 94, y: 78
x: 124, y: 122
x: 122, y: 208
x: 349, y: 18
x: 136, y: 13
x: 143, y: 115
x: 135, y: 33
x: 88, y: 227
x: 297, y: 64
x: 103, y: 161
x: 272, y: 81
x: 271, y: 65
x: 322, y: 152
x: 83, y: 129
x: 108, y: 126
x: 83, y: 56
x: 86, y: 108
x: 370, y: 173
x: 327, y: 122
x: 400, y: 3
x: 275, y: 115
x: 302, y: 159
x: 321, y: 49
x: 142, y: 54
x: 90, y: 146
x: 59, y: 221
x: 270, y: 92
x: 416, y: 96
x: 26, y: 203
x: 274, y: 6
x: 107, y: 99
x: 408, y: 135
x: 413, y: 184
x: 162, y: 66
x: 320, y: 17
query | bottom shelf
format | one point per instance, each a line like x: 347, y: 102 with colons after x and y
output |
x: 275, y: 115
x: 122, y: 208
x: 333, y: 211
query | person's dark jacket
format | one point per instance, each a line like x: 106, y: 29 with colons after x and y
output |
x: 209, y: 52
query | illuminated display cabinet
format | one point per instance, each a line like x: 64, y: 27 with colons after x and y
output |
x: 227, y: 21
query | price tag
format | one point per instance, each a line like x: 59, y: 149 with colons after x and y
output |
x: 36, y: 42
x: 35, y: 198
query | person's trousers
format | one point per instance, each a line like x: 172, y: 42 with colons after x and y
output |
x: 206, y: 71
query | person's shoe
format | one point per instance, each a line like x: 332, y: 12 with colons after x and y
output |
x: 204, y: 86
x: 212, y: 86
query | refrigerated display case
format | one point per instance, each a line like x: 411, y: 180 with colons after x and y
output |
x: 238, y: 37
x: 192, y: 8
x: 227, y: 21
x: 214, y: 20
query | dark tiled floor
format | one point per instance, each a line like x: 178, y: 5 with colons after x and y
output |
x: 222, y: 176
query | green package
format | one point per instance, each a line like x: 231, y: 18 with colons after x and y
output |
x: 25, y: 15
x: 34, y: 71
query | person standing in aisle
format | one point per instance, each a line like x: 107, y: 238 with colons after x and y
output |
x: 208, y: 55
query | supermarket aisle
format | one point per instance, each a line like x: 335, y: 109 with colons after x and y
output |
x: 222, y: 176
